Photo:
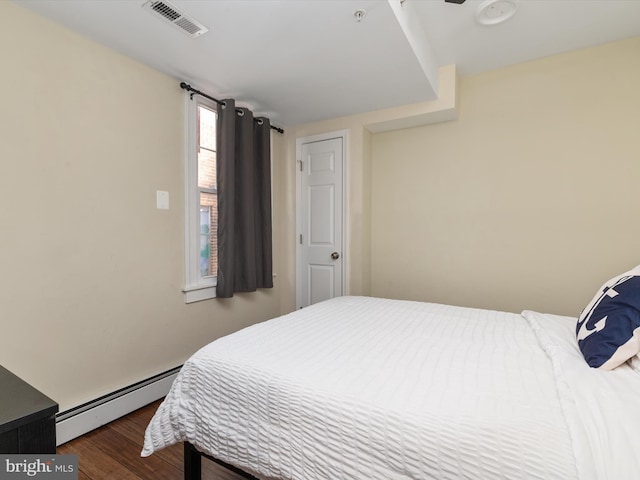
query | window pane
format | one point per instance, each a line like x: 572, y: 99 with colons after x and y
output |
x: 207, y: 128
x: 206, y: 169
x: 208, y: 234
x: 205, y: 241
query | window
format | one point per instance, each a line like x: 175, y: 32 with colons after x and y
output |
x: 201, y: 200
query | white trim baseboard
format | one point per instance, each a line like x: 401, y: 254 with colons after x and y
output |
x: 78, y: 421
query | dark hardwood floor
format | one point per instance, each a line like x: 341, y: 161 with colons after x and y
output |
x: 113, y: 452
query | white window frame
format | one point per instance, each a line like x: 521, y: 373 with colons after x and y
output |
x: 196, y: 288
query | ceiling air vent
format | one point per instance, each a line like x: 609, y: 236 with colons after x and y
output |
x: 171, y: 14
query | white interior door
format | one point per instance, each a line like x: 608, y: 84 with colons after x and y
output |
x: 320, y: 269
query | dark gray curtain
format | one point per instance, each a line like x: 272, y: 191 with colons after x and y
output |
x: 244, y: 201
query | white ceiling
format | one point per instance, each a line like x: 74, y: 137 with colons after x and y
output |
x: 298, y: 61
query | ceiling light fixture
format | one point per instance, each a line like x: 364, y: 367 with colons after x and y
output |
x: 493, y: 12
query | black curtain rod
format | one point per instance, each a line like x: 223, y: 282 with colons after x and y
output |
x: 189, y: 88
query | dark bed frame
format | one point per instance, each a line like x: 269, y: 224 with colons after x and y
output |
x: 193, y: 464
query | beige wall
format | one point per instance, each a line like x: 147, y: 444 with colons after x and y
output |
x: 528, y: 200
x: 358, y: 170
x: 90, y: 291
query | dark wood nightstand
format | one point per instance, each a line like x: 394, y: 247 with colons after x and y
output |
x: 27, y: 417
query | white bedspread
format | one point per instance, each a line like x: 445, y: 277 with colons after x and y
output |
x: 366, y: 388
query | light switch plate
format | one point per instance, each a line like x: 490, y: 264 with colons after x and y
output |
x: 162, y: 200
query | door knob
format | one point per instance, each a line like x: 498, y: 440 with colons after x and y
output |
x: 335, y: 255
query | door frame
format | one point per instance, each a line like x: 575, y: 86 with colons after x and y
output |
x: 342, y: 134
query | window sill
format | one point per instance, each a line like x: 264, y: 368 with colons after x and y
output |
x: 199, y: 293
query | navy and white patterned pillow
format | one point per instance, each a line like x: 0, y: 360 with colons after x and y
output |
x: 608, y: 330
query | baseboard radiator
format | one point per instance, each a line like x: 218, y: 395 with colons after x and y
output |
x: 82, y: 419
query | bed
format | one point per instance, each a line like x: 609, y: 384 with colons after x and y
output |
x: 370, y: 388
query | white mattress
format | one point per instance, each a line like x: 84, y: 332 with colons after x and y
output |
x: 366, y: 388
